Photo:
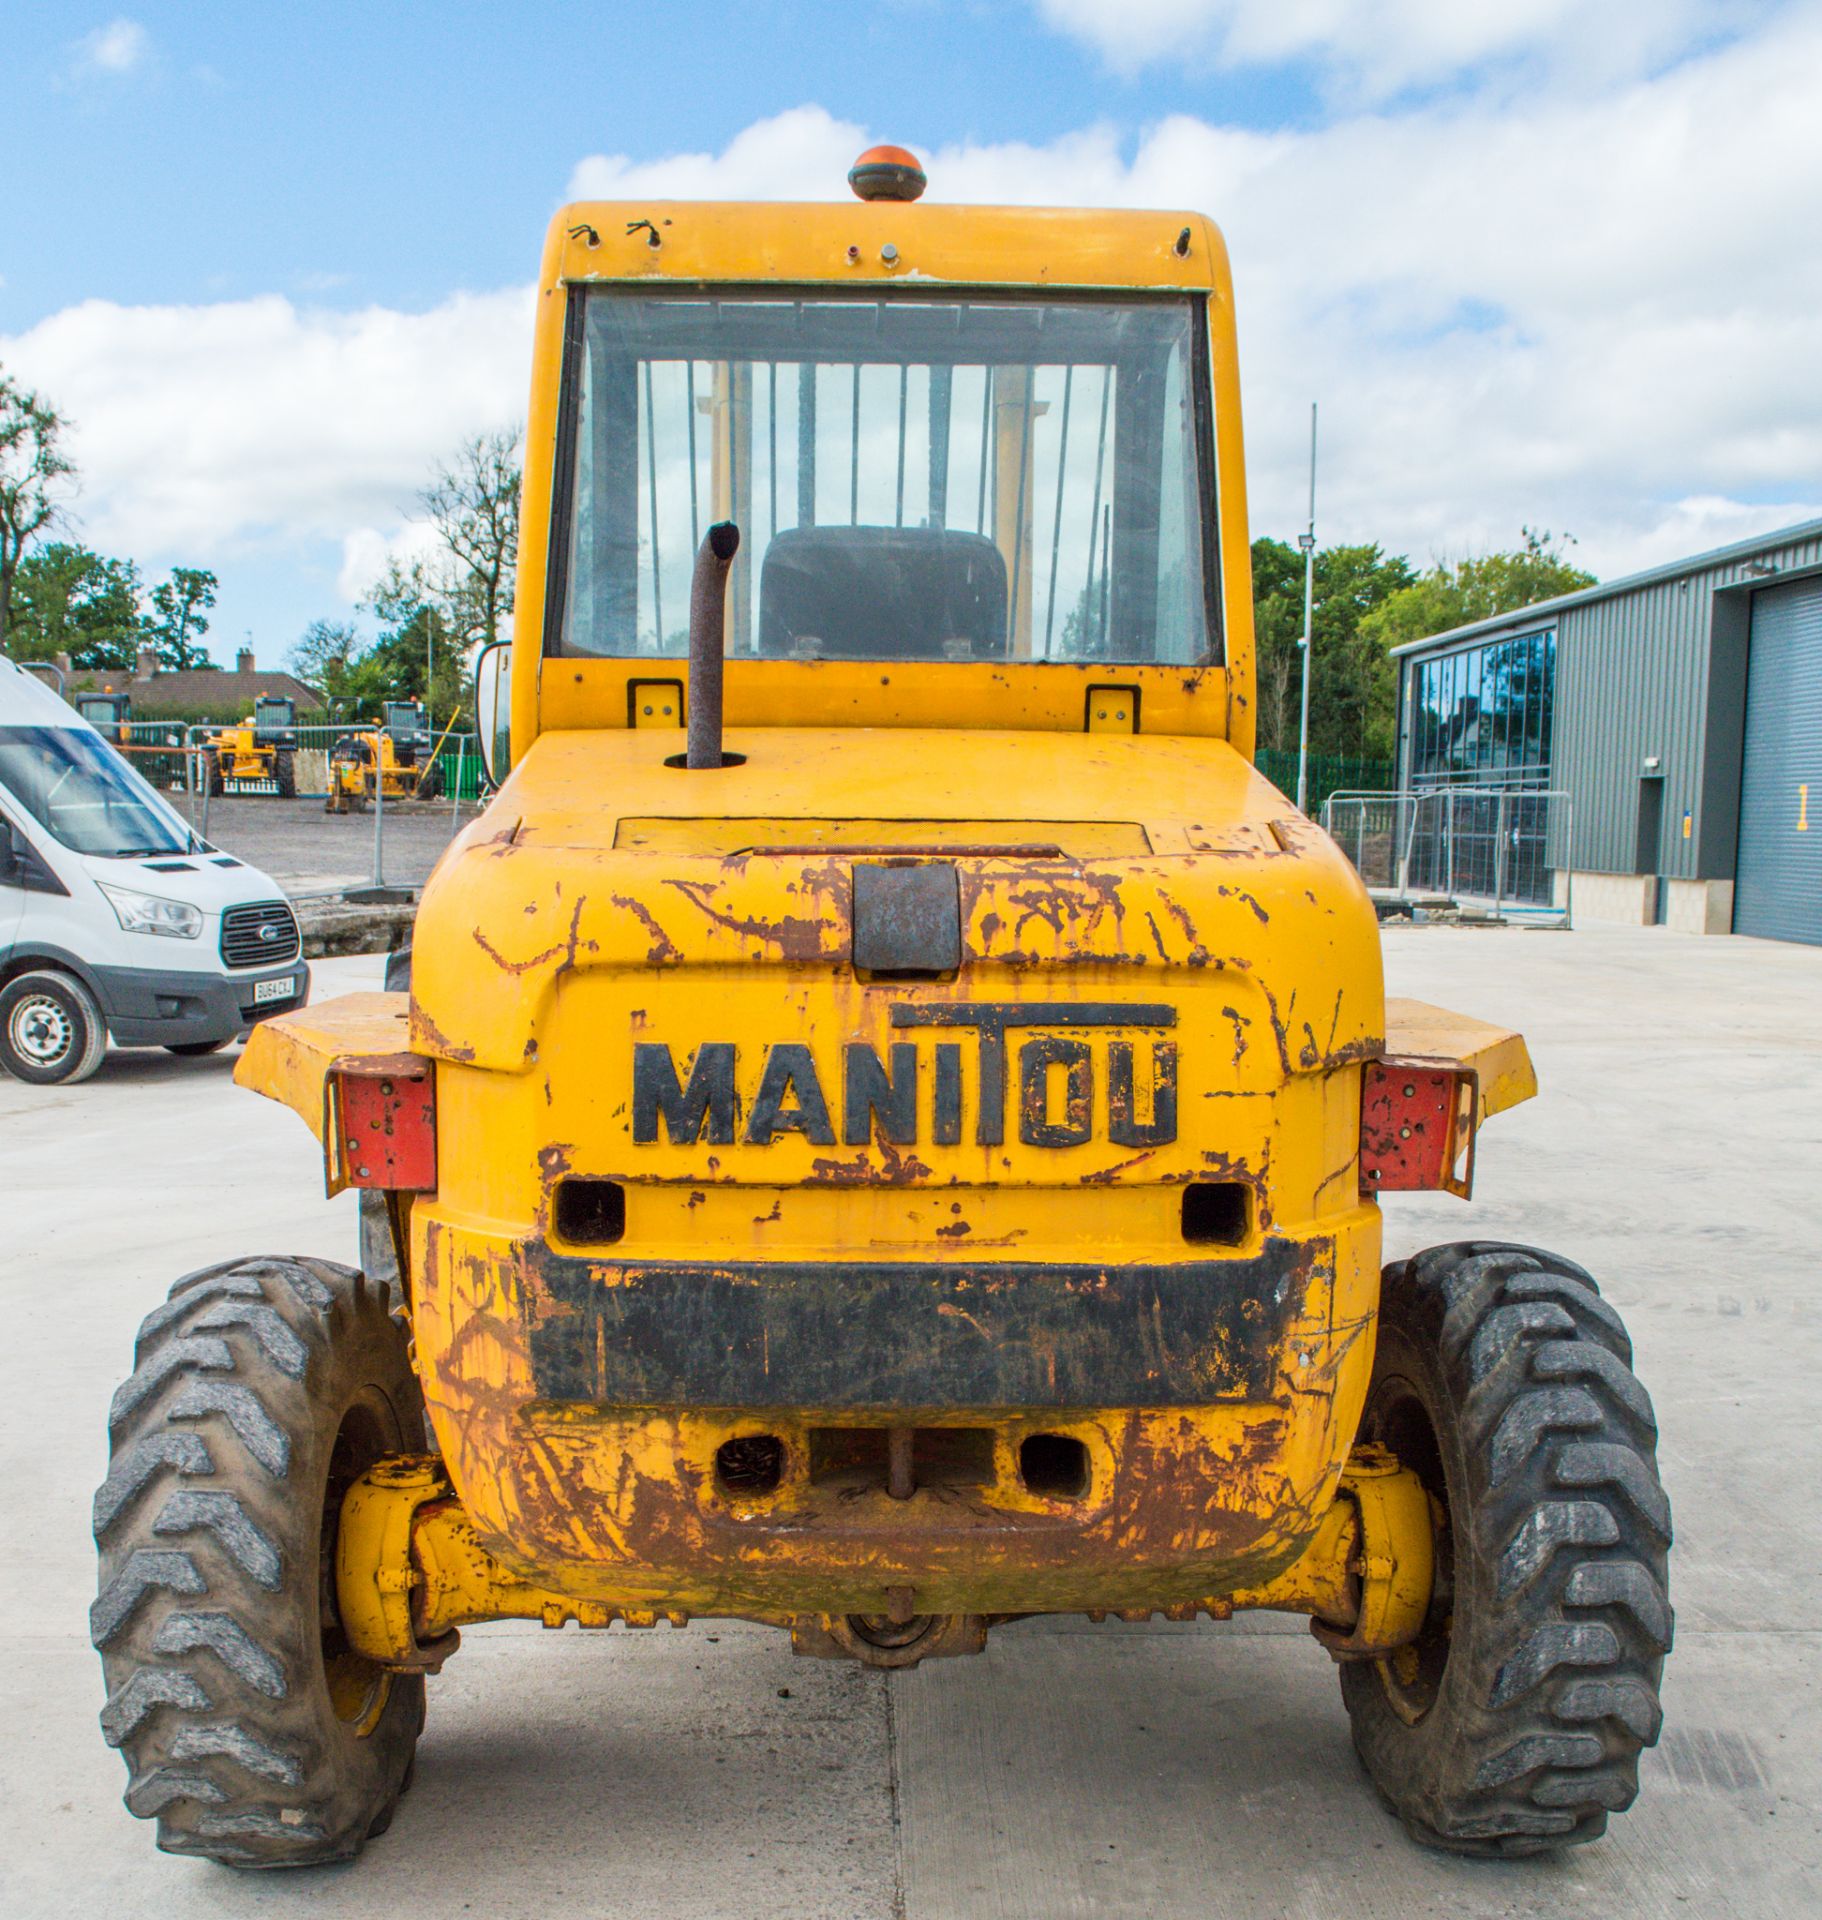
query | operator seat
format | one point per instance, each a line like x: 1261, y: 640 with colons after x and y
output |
x: 882, y: 593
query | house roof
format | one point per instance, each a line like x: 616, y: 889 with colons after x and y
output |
x: 193, y: 687
x: 1739, y: 552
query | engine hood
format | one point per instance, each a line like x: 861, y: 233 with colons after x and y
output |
x: 1092, y: 863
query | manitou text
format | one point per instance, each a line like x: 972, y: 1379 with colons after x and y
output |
x: 1080, y: 1071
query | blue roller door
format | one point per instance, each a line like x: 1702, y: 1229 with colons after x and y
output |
x: 1778, y: 882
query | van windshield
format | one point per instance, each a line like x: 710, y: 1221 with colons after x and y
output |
x: 84, y: 795
x: 924, y: 476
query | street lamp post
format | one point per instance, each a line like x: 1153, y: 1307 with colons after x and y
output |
x: 1307, y: 541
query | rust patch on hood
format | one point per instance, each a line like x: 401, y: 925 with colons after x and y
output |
x: 564, y: 952
x: 797, y: 937
x: 447, y: 1049
x: 664, y: 951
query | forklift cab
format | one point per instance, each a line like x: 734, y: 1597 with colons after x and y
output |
x: 274, y: 721
x: 110, y: 714
x: 402, y: 721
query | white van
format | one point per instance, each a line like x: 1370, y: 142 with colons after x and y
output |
x: 115, y: 919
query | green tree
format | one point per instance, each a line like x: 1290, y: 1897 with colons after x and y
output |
x: 178, y: 619
x: 69, y: 599
x: 33, y: 470
x: 473, y: 503
x: 432, y: 612
x: 420, y: 649
x: 1351, y: 694
x: 1453, y: 593
x: 330, y: 656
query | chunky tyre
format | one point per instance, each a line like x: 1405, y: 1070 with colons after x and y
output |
x: 430, y: 782
x: 51, y: 1031
x: 252, y: 1734
x: 212, y: 774
x: 284, y: 774
x: 1514, y: 1725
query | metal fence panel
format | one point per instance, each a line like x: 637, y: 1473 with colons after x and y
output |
x: 1504, y: 850
x: 1327, y: 773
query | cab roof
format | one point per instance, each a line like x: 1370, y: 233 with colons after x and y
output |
x: 874, y: 242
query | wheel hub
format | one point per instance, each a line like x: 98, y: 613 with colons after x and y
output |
x: 41, y: 1030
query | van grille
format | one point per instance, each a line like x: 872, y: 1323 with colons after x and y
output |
x: 262, y: 935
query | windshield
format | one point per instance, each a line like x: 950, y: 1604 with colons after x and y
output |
x: 915, y: 477
x: 83, y: 794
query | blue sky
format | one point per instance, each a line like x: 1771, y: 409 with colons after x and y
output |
x: 357, y: 153
x: 1534, y: 259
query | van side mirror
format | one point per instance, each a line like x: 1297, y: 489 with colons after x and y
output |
x: 493, y: 709
x: 12, y: 867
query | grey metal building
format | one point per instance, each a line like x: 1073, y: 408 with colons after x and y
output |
x: 1680, y: 712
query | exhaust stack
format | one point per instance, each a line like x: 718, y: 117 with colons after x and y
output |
x: 708, y: 601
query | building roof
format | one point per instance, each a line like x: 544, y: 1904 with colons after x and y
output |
x: 197, y: 687
x: 1740, y: 553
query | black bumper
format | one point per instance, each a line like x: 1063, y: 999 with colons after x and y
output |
x: 915, y: 1334
x: 146, y: 1007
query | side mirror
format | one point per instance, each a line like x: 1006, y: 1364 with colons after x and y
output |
x: 493, y: 709
x: 11, y: 865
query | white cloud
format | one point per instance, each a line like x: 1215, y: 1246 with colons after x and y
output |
x: 802, y: 154
x: 1583, y: 314
x: 1382, y: 46
x: 121, y: 47
x: 368, y: 551
x: 256, y: 422
x: 1587, y: 313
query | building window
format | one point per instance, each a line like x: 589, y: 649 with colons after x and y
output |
x: 1480, y: 743
x: 1483, y: 715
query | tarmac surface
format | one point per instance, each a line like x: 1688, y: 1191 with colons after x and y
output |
x: 309, y: 851
x: 1072, y: 1770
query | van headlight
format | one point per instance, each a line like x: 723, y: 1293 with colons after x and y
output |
x: 148, y: 913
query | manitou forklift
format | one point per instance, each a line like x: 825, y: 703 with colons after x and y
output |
x: 260, y: 752
x: 887, y: 1128
x: 395, y: 760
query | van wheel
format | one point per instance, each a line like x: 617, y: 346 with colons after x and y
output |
x: 51, y: 1031
x: 196, y: 1049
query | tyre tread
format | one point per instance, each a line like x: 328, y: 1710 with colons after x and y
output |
x: 206, y: 1615
x: 1569, y: 1527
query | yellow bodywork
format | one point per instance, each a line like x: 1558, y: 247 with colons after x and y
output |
x: 411, y: 1571
x: 845, y: 246
x: 241, y: 754
x: 1499, y: 1060
x: 354, y: 782
x: 1143, y: 912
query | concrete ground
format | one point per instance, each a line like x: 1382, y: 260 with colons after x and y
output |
x: 1072, y: 1770
x: 309, y: 851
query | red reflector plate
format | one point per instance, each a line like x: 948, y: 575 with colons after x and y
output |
x: 385, y: 1113
x: 1416, y: 1122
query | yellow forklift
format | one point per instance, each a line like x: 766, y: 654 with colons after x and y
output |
x: 260, y: 752
x: 887, y: 1127
x: 395, y: 758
